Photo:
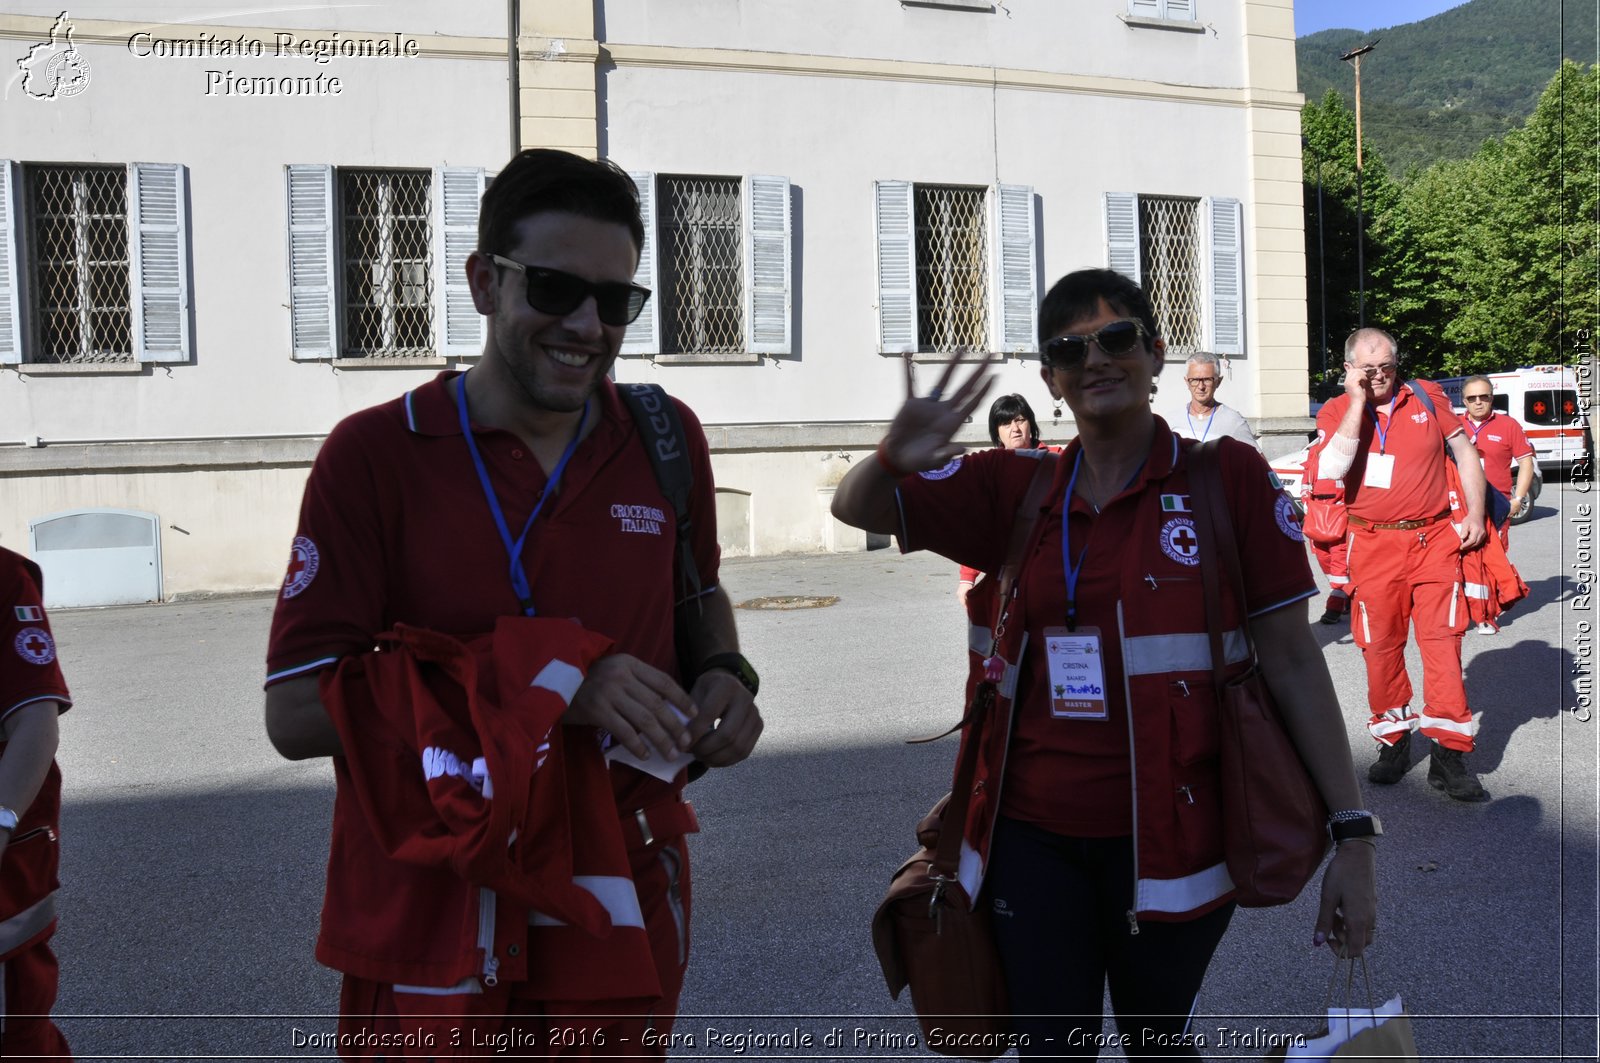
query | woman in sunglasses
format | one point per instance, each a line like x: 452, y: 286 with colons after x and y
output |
x: 1095, y: 826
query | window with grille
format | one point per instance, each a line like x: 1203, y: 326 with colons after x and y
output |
x: 701, y: 267
x: 956, y: 268
x: 1187, y: 254
x: 716, y: 259
x: 384, y: 229
x: 377, y: 263
x: 1169, y: 262
x: 93, y: 264
x: 952, y: 268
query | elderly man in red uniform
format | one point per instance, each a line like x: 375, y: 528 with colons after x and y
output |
x: 1499, y: 440
x: 408, y: 519
x: 1404, y: 553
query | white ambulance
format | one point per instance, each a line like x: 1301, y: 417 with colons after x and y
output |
x: 1546, y: 400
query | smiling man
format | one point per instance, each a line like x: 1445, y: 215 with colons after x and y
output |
x: 408, y: 523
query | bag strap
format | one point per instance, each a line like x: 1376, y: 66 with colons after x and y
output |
x: 1218, y: 551
x: 1022, y: 528
x: 953, y: 824
x: 661, y: 430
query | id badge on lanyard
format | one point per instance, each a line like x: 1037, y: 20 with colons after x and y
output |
x: 1380, y: 466
x: 1077, y: 673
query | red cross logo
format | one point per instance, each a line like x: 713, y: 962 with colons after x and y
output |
x: 1179, y: 541
x: 34, y: 645
x: 304, y: 560
x: 1539, y: 408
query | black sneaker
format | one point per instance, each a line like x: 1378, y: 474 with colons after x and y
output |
x: 1449, y: 772
x: 1332, y: 616
x: 1392, y: 763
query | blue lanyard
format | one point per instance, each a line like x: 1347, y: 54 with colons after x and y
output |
x: 1383, y: 433
x: 519, y: 575
x: 1202, y: 436
x: 1072, y: 570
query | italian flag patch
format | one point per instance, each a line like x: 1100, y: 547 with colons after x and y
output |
x: 1175, y: 504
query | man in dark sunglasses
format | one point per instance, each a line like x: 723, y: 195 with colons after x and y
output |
x: 518, y: 499
x: 1500, y: 442
x: 1387, y: 441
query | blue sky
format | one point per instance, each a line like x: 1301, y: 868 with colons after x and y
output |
x: 1313, y: 15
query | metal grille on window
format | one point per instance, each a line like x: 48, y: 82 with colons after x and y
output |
x: 702, y: 275
x: 952, y: 268
x: 82, y: 302
x: 388, y: 287
x: 1172, y: 268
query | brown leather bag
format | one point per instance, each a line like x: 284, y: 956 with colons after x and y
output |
x: 925, y: 931
x: 928, y: 936
x: 1274, y: 824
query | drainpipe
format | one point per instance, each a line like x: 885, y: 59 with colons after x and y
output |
x: 514, y: 17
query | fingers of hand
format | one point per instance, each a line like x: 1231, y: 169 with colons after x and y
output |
x: 734, y: 738
x: 636, y: 703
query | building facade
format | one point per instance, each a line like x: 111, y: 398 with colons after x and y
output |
x: 219, y: 236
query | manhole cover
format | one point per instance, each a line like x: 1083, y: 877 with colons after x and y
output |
x: 792, y: 601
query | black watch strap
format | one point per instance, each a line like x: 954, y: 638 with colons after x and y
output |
x: 1367, y: 826
x: 736, y: 664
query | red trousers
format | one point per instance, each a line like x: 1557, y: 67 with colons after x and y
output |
x: 1400, y: 580
x: 1331, y: 559
x: 28, y: 980
x: 377, y: 1021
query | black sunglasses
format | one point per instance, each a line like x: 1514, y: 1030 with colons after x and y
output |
x: 552, y: 291
x: 1119, y: 339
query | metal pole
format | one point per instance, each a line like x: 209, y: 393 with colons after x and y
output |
x: 1322, y: 275
x: 1354, y: 56
x: 1361, y: 220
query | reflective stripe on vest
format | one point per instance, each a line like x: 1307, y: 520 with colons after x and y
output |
x: 1182, y: 894
x: 27, y: 923
x: 1157, y: 654
x: 616, y: 893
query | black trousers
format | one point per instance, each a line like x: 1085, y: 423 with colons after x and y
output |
x: 1060, y: 909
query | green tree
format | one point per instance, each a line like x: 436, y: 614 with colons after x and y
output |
x: 1328, y: 160
x: 1490, y: 262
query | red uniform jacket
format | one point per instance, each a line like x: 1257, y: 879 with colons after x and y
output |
x: 474, y: 836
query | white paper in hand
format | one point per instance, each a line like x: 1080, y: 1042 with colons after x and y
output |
x: 664, y: 768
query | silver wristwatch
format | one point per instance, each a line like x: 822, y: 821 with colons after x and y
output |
x: 8, y: 819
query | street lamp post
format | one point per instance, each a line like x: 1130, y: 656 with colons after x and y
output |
x: 1354, y: 56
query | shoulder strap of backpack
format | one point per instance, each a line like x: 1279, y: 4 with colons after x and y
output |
x: 661, y: 431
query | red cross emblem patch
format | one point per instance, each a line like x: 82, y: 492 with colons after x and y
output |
x: 303, y: 564
x: 35, y: 646
x: 1179, y: 542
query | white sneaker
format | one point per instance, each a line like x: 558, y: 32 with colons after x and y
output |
x: 1486, y: 628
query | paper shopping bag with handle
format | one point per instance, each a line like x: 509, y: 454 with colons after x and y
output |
x: 1378, y: 1033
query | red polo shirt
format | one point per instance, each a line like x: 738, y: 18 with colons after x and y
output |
x: 394, y: 527
x: 1500, y: 441
x: 29, y: 670
x: 1414, y: 438
x: 1073, y: 777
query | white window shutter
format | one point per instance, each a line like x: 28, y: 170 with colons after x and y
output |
x: 1122, y: 234
x: 1145, y: 8
x: 460, y: 329
x: 766, y: 265
x: 1227, y: 277
x: 158, y: 261
x: 897, y: 267
x: 10, y: 263
x: 313, y: 315
x: 1012, y: 224
x: 644, y: 335
x: 1180, y: 9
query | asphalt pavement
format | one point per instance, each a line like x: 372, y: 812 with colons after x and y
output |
x: 193, y: 857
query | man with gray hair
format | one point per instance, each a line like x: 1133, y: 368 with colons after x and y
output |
x: 1204, y: 417
x: 1388, y: 441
